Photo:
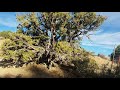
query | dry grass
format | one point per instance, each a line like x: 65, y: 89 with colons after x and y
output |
x: 41, y: 71
x: 31, y: 71
x: 34, y: 71
x: 103, y: 62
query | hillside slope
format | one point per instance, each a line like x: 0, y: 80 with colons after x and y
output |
x: 103, y: 62
x: 41, y: 71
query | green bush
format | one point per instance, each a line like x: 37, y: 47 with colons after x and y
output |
x: 20, y: 31
x: 86, y: 68
x: 5, y: 34
x: 41, y: 40
x: 63, y: 47
x: 18, y: 46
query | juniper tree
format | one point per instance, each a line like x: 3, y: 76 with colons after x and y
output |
x: 68, y: 26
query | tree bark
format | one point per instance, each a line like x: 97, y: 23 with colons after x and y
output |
x: 52, y: 38
x: 56, y: 38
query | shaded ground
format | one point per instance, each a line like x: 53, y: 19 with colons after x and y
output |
x: 31, y: 71
x: 39, y: 71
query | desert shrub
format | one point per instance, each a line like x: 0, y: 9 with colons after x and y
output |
x: 25, y: 55
x: 8, y: 43
x: 113, y: 72
x: 41, y: 40
x: 116, y: 54
x: 83, y: 65
x: 102, y: 56
x: 20, y: 31
x: 63, y: 47
x: 116, y: 72
x: 19, y: 46
x: 86, y: 68
x: 5, y: 34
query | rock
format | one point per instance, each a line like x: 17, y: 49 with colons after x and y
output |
x: 1, y: 59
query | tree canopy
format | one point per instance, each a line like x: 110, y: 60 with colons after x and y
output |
x: 64, y: 26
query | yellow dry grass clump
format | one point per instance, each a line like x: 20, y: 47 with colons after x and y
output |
x: 100, y: 61
x: 31, y: 71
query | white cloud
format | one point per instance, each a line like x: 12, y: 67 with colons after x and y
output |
x: 10, y: 22
x: 113, y: 19
x: 111, y: 15
x: 108, y: 35
x: 106, y: 40
x: 96, y: 32
x: 8, y: 19
x: 99, y: 31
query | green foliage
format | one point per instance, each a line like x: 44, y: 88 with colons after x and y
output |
x: 71, y: 52
x: 63, y: 47
x: 30, y: 22
x: 17, y: 46
x: 117, y: 53
x: 5, y: 34
x: 86, y: 68
x: 82, y: 23
x: 65, y: 26
x: 20, y: 31
x: 62, y: 29
x: 25, y: 55
x: 83, y: 65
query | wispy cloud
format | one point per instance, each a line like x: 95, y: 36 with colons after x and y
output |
x: 8, y: 22
x: 8, y: 19
x: 111, y: 15
x: 109, y: 33
x: 99, y: 45
x: 113, y: 19
x: 105, y: 40
x: 96, y: 32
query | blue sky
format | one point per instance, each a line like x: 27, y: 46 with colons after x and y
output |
x: 107, y: 36
x: 103, y: 40
x: 8, y: 21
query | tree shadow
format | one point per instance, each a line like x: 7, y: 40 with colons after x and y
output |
x: 85, y: 69
x: 8, y: 75
x: 110, y: 72
x: 37, y: 72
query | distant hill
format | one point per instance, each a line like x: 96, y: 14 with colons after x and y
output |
x: 102, y: 61
x: 103, y: 56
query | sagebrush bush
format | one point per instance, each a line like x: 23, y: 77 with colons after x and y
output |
x: 41, y: 40
x: 86, y: 68
x: 63, y: 47
x: 19, y: 46
x: 5, y: 34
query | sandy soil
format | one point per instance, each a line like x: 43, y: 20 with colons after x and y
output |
x: 31, y: 71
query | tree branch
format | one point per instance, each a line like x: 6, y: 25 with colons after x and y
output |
x: 76, y: 35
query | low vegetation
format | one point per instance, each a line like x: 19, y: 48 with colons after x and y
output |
x: 51, y: 41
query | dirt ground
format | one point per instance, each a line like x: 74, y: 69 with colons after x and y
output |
x: 31, y: 71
